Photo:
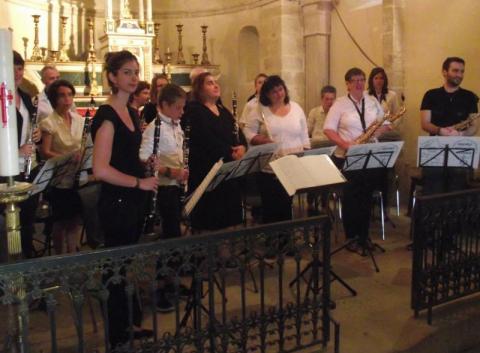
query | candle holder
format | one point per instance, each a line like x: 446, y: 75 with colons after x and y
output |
x: 180, y: 58
x: 44, y: 53
x: 36, y: 55
x: 157, y: 57
x: 62, y: 55
x: 168, y: 72
x: 205, y: 60
x: 92, y: 57
x: 25, y: 46
x: 52, y: 56
x: 195, y: 57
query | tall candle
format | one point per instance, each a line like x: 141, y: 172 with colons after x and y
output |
x: 8, y: 120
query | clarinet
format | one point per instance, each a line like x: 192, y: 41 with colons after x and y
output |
x: 236, y: 128
x: 33, y: 126
x: 186, y: 156
x: 150, y: 218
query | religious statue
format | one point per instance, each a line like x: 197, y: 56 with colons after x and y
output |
x: 125, y: 10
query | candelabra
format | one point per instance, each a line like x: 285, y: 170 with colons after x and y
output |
x: 195, y: 57
x: 62, y: 55
x: 25, y: 46
x: 205, y: 60
x: 91, y: 42
x: 44, y: 53
x: 157, y: 57
x: 180, y: 58
x: 168, y: 58
x: 53, y: 56
x: 36, y: 55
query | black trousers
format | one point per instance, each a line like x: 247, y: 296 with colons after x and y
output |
x: 440, y: 180
x: 357, y: 199
x: 276, y: 203
x: 121, y: 219
x: 169, y: 206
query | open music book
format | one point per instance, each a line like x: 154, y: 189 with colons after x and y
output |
x: 199, y: 191
x: 308, y: 172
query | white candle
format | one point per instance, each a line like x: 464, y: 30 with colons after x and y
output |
x: 8, y: 119
x: 109, y: 9
x: 141, y: 16
x: 149, y: 10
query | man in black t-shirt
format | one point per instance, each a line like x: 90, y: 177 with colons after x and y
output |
x: 442, y: 108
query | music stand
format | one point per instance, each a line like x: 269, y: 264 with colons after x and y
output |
x: 448, y: 152
x: 381, y: 155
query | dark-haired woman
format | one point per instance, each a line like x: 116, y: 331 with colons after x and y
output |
x: 116, y: 163
x: 279, y: 120
x: 62, y: 134
x: 378, y: 88
x: 212, y: 137
x: 149, y: 112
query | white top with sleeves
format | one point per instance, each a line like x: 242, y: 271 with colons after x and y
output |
x: 390, y: 104
x: 170, y: 146
x: 315, y: 121
x: 289, y: 132
x: 344, y: 119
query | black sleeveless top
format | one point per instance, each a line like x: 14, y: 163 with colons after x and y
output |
x: 125, y: 146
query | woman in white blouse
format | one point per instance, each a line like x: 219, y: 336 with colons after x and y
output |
x: 62, y: 134
x: 279, y: 120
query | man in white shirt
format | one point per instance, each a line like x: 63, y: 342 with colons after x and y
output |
x: 49, y: 74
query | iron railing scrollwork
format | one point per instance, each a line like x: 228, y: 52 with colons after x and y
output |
x: 446, y: 249
x: 239, y: 299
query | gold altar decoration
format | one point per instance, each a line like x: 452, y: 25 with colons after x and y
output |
x: 205, y: 60
x: 180, y: 58
x: 195, y: 57
x: 63, y: 55
x: 36, y: 54
x: 52, y: 56
x: 157, y: 57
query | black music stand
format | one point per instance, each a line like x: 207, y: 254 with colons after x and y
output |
x: 370, y: 156
x: 442, y: 152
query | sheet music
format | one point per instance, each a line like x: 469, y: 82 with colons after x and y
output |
x: 263, y: 154
x: 322, y: 150
x: 383, y: 155
x: 51, y: 173
x: 463, y: 151
x: 199, y: 191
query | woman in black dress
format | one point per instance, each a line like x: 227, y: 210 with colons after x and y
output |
x: 212, y: 136
x: 116, y: 163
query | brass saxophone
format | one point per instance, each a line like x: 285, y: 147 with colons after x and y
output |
x: 149, y: 222
x: 367, y: 135
x: 33, y: 125
x: 466, y: 123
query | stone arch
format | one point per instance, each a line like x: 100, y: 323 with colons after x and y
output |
x: 248, y: 54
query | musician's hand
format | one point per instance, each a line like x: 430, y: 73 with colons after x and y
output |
x: 77, y: 156
x: 345, y: 145
x: 185, y: 175
x: 148, y: 184
x: 238, y: 152
x: 155, y: 164
x: 26, y: 150
x: 448, y: 131
x: 36, y: 135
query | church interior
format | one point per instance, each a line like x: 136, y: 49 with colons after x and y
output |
x: 310, y: 44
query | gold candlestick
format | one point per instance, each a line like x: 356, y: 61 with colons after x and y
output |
x: 157, y: 57
x: 168, y: 58
x: 53, y: 56
x: 44, y: 53
x: 195, y: 57
x: 205, y: 60
x: 25, y: 46
x: 180, y: 58
x: 63, y: 56
x: 36, y: 55
x: 92, y: 57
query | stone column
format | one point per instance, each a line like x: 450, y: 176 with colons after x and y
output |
x: 317, y: 32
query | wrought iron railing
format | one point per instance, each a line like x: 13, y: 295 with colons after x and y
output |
x: 239, y: 298
x: 446, y: 249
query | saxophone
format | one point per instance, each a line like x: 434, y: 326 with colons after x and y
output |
x: 370, y: 131
x: 466, y: 123
x: 149, y: 222
x: 33, y: 125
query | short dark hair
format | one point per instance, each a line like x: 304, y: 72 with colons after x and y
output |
x: 354, y: 71
x: 375, y: 71
x: 261, y: 74
x: 114, y: 61
x: 451, y: 59
x: 270, y: 83
x: 328, y: 89
x: 52, y: 91
x: 17, y: 59
x: 170, y: 94
x: 140, y: 87
x: 197, y: 86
